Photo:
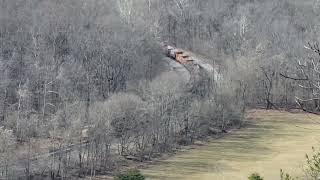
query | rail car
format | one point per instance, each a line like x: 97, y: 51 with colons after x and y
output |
x: 177, y: 54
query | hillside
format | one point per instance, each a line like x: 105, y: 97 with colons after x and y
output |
x: 88, y: 87
x: 270, y: 141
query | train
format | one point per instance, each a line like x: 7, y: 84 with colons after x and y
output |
x: 177, y: 54
x: 183, y: 58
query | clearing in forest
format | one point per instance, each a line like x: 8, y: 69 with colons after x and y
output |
x: 270, y: 141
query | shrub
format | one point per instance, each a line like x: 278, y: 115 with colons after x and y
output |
x: 312, y: 167
x: 255, y: 176
x: 132, y: 174
x: 285, y: 176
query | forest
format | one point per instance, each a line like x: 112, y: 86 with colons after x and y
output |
x: 85, y: 85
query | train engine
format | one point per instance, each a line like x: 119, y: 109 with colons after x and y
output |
x: 177, y: 54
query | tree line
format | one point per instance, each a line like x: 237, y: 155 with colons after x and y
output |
x: 88, y: 79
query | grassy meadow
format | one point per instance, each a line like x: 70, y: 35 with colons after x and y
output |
x: 270, y: 141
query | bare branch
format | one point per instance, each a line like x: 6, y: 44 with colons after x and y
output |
x: 296, y: 79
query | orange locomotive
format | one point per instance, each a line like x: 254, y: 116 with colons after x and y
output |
x: 177, y: 55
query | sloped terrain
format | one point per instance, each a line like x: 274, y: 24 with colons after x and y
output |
x: 271, y: 141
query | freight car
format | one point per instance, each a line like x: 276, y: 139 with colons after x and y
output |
x: 183, y: 58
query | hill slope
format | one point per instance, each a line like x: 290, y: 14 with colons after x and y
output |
x: 271, y: 140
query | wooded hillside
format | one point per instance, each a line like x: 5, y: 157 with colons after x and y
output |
x: 85, y: 82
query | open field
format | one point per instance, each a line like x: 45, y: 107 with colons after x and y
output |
x: 271, y: 141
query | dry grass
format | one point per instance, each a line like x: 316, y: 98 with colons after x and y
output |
x: 270, y: 141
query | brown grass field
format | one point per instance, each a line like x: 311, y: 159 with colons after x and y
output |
x: 270, y: 141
